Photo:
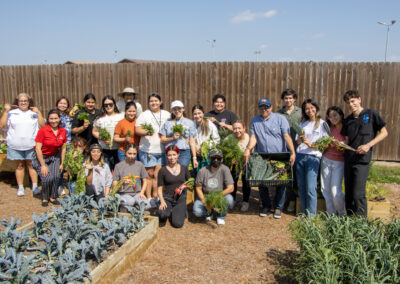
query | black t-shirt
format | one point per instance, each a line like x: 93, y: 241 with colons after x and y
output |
x: 360, y: 131
x: 227, y: 116
x: 87, y: 133
x: 171, y: 182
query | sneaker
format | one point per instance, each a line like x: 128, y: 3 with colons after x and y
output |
x: 245, y: 206
x: 220, y: 221
x: 277, y: 214
x: 60, y: 190
x: 290, y: 207
x: 20, y: 192
x: 209, y: 218
x: 36, y: 191
x: 265, y: 212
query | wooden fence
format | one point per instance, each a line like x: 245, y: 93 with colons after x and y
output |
x: 243, y: 83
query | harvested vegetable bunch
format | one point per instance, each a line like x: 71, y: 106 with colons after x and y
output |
x: 178, y: 128
x: 79, y: 106
x: 131, y: 181
x: 204, y: 149
x: 73, y: 164
x: 149, y: 128
x: 296, y: 127
x: 322, y: 143
x: 189, y: 184
x: 326, y: 126
x: 3, y: 149
x: 1, y: 109
x: 216, y: 200
x: 128, y: 133
x: 264, y: 169
x: 84, y: 116
x: 105, y: 135
x: 257, y: 166
x: 233, y: 155
x: 223, y: 133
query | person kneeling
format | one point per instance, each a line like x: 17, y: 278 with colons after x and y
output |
x: 130, y: 179
x: 171, y: 178
x: 210, y: 178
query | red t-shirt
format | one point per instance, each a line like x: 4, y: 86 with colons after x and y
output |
x: 51, y: 143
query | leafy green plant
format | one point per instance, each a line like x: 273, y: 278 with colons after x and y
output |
x: 263, y: 169
x: 322, y: 143
x: 149, y: 128
x: 223, y: 133
x: 105, y: 135
x: 3, y: 148
x: 376, y: 192
x: 73, y: 164
x: 233, y: 155
x: 79, y: 106
x: 178, y: 128
x: 216, y: 200
x: 84, y: 116
x: 128, y: 133
x: 384, y: 174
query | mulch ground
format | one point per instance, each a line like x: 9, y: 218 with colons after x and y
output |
x: 248, y: 249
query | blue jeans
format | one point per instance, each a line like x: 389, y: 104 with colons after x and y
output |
x: 121, y: 155
x: 71, y: 185
x: 184, y: 157
x: 307, y: 167
x: 199, y: 210
x: 279, y: 199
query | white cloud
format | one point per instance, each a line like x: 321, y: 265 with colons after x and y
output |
x: 248, y: 16
x: 338, y: 57
x: 263, y: 46
x: 319, y: 35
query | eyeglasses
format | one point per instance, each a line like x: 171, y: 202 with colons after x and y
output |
x: 108, y: 105
x: 264, y: 107
x: 23, y: 101
x: 216, y: 158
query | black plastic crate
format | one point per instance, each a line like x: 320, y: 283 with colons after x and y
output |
x: 284, y: 157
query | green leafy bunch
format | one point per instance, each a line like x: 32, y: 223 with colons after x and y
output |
x: 216, y: 200
x: 263, y: 169
x: 3, y: 148
x: 79, y: 106
x: 233, y: 155
x: 84, y: 116
x: 178, y: 128
x: 105, y: 135
x: 223, y: 133
x: 128, y: 133
x: 148, y: 127
x: 322, y: 143
x: 73, y: 164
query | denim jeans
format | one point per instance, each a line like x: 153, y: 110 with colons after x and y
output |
x: 199, y: 210
x: 71, y: 185
x: 121, y: 155
x: 332, y: 173
x: 279, y: 199
x: 184, y: 157
x: 307, y: 167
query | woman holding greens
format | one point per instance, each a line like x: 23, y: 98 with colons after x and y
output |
x: 82, y: 124
x: 49, y: 156
x: 308, y: 158
x: 103, y: 129
x: 181, y: 132
x: 207, y: 133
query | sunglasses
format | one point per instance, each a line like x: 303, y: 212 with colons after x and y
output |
x: 108, y: 105
x: 216, y: 158
x: 264, y: 107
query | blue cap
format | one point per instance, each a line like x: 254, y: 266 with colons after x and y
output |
x: 264, y: 102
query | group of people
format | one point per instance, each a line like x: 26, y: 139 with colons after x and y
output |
x: 147, y: 154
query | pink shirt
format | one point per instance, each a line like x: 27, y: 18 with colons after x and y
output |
x: 331, y: 152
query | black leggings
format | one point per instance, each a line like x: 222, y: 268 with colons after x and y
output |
x: 245, y: 186
x: 355, y: 181
x: 176, y: 209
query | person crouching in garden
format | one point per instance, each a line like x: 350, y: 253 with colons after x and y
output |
x: 171, y: 177
x: 49, y: 156
x: 98, y: 174
x: 210, y: 178
x: 129, y: 179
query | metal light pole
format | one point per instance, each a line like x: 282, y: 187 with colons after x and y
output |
x: 212, y: 42
x: 387, y: 33
x: 257, y: 53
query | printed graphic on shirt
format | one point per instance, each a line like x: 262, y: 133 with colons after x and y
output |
x: 366, y: 118
x: 212, y: 183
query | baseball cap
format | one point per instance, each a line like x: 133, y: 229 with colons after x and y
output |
x: 176, y: 104
x: 264, y: 101
x: 215, y: 153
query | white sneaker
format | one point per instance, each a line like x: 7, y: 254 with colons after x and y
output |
x: 220, y: 221
x: 209, y: 218
x: 20, y: 192
x: 36, y: 191
x: 245, y: 206
x: 60, y: 190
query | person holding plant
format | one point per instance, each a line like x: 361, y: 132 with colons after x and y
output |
x: 129, y: 180
x: 98, y: 174
x: 332, y: 165
x: 170, y: 178
x: 222, y: 117
x: 207, y: 136
x: 243, y: 139
x: 82, y: 124
x: 363, y: 129
x: 211, y: 178
x: 22, y: 121
x: 271, y: 133
x: 181, y: 132
x: 79, y: 148
x: 49, y: 156
x: 125, y: 132
x: 129, y: 95
x: 308, y: 158
x: 103, y: 129
x: 151, y: 150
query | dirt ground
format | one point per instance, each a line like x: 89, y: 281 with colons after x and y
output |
x: 246, y: 250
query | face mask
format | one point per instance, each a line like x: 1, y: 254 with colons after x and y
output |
x: 216, y: 163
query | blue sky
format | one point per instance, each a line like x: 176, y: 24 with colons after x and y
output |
x: 52, y: 32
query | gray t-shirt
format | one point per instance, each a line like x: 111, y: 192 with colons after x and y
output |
x: 137, y: 169
x: 211, y: 181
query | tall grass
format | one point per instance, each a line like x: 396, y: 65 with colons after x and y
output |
x: 346, y: 250
x: 384, y: 174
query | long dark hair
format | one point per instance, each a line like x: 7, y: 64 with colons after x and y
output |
x: 103, y: 109
x: 205, y: 128
x: 53, y: 111
x: 155, y: 95
x: 128, y: 105
x: 305, y: 116
x: 68, y: 104
x: 89, y: 96
x: 338, y: 110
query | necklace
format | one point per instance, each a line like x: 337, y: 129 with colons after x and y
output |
x: 158, y: 122
x: 174, y: 170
